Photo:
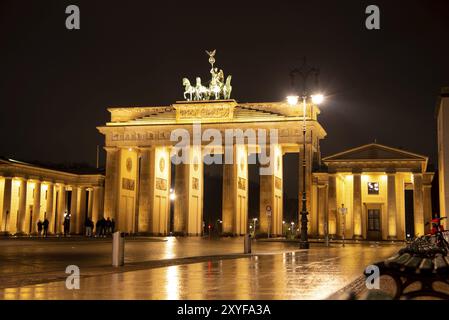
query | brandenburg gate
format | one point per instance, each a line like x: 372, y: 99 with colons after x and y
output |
x: 141, y: 143
x: 372, y: 192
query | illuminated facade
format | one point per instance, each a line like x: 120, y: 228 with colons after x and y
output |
x: 375, y: 183
x: 138, y: 164
x: 387, y: 192
x: 30, y: 193
x: 442, y: 114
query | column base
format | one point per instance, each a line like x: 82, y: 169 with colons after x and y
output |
x: 392, y: 238
x: 179, y: 234
x: 358, y: 237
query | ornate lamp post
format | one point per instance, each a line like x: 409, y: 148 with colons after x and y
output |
x: 304, y: 72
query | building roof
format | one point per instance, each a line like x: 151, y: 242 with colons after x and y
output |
x: 78, y: 169
x: 376, y: 155
x: 374, y: 151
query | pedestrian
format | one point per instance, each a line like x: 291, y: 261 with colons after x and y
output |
x: 98, y: 228
x: 103, y: 227
x: 39, y: 227
x: 112, y: 225
x: 66, y: 225
x: 45, y: 226
x: 88, y: 224
x: 108, y: 226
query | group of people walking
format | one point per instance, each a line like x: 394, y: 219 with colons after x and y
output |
x: 103, y: 227
x: 42, y: 227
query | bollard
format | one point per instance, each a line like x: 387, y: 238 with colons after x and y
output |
x: 118, y: 249
x: 247, y: 244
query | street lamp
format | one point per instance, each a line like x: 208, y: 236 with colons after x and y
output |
x: 172, y: 195
x: 304, y: 72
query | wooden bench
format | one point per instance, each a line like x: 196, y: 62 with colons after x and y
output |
x: 417, y: 264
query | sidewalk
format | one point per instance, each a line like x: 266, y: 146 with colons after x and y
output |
x: 32, y: 261
x: 303, y: 274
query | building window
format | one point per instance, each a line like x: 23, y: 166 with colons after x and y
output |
x: 373, y: 188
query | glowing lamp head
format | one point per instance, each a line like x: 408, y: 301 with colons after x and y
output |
x: 172, y: 196
x: 292, y: 100
x: 318, y: 99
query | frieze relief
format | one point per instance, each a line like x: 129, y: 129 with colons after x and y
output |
x: 128, y: 184
x: 195, y: 183
x: 278, y: 183
x: 161, y: 184
x: 148, y: 136
x: 242, y: 183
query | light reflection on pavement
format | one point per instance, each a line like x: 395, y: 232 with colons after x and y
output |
x: 313, y: 274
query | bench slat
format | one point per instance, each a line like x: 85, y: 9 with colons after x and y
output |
x: 413, y: 263
x: 440, y: 264
x: 426, y: 266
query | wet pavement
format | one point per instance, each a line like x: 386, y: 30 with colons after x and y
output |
x: 299, y: 275
x: 26, y: 260
x: 22, y: 255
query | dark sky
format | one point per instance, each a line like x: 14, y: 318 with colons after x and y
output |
x: 55, y: 84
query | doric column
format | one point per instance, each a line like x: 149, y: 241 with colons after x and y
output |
x: 418, y: 204
x: 235, y: 192
x: 322, y: 204
x: 357, y: 205
x: 73, y: 209
x: 60, y: 208
x: 97, y: 198
x: 160, y: 197
x: 81, y: 210
x: 7, y: 224
x: 21, y: 219
x: 332, y: 205
x: 128, y: 190
x: 49, y: 206
x: 427, y: 201
x: 271, y: 186
x: 111, y: 182
x: 391, y: 208
x: 36, y: 205
x: 90, y: 203
x: 188, y: 210
x: 146, y: 189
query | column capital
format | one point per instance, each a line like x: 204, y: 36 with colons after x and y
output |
x: 111, y: 149
x: 143, y: 149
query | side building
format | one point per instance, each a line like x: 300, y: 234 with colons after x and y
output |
x: 29, y: 193
x: 386, y: 193
x: 442, y: 114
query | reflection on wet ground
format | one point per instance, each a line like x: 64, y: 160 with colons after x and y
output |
x: 30, y: 256
x: 313, y: 274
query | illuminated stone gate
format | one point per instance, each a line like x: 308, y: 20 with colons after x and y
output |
x: 141, y: 142
x: 138, y: 165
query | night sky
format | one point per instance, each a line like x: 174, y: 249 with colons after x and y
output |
x: 55, y: 84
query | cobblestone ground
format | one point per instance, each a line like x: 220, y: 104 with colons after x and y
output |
x: 313, y: 274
